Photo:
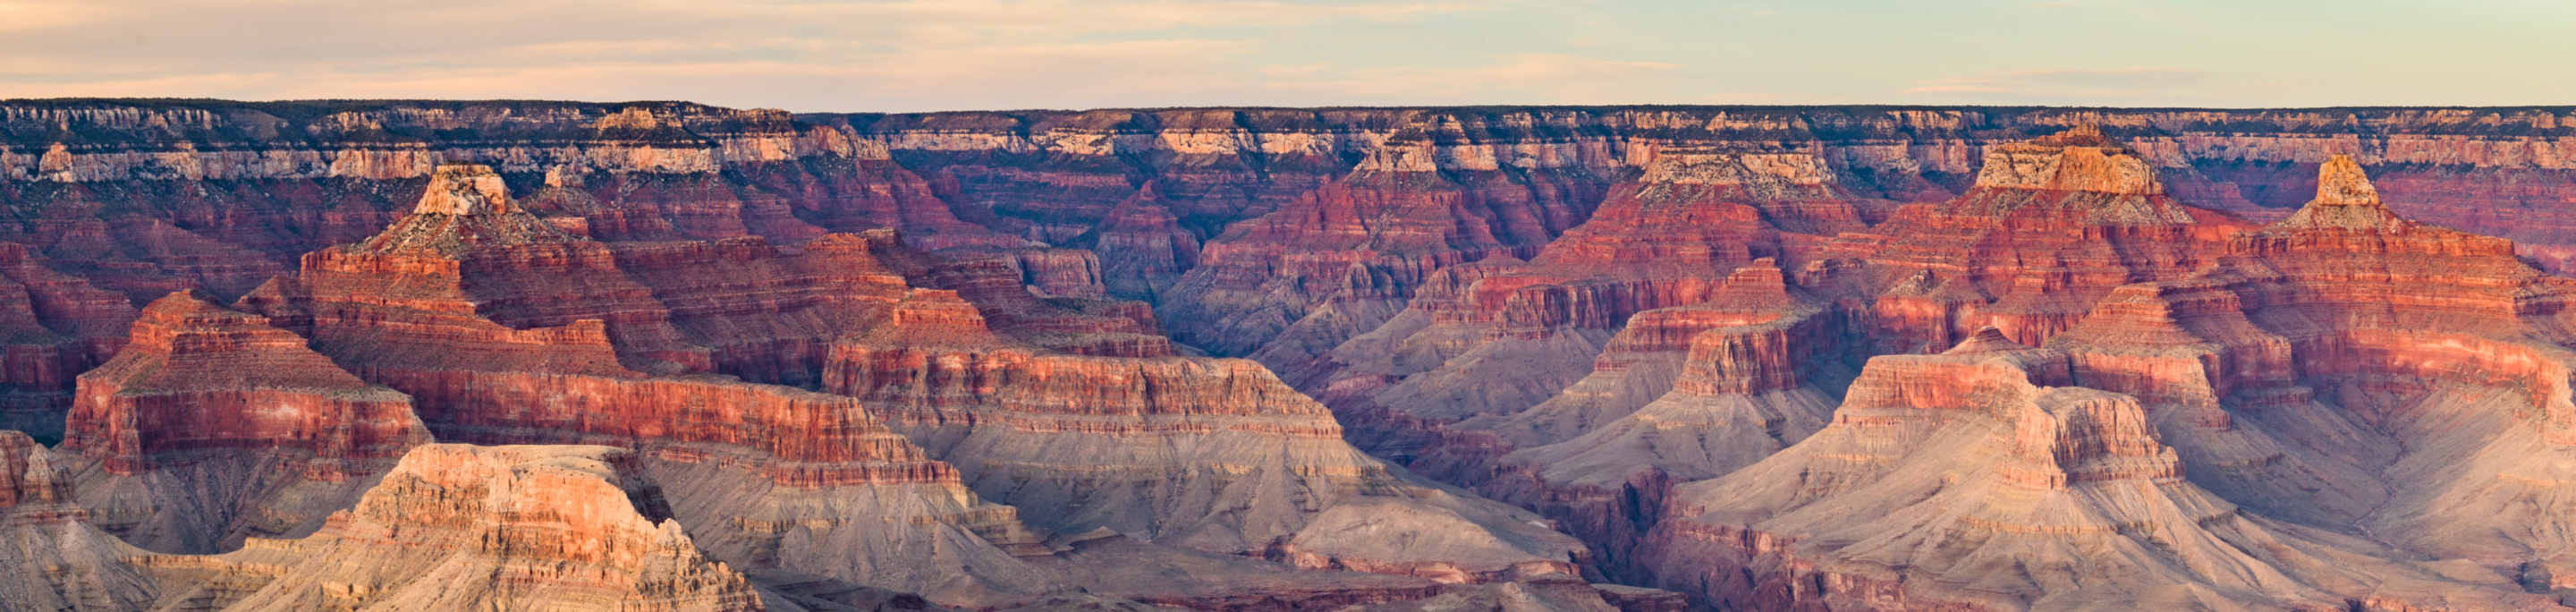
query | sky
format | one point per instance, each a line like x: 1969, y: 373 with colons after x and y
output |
x: 929, y: 55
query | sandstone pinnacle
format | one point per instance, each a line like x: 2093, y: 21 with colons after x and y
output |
x: 2340, y: 182
x: 2346, y: 200
x: 465, y: 189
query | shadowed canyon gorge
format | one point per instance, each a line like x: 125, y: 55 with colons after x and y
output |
x: 434, y: 355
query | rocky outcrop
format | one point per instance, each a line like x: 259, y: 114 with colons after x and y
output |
x: 289, y: 177
x: 211, y: 426
x: 536, y: 526
x: 2327, y: 409
x: 1212, y: 455
x: 1330, y: 264
x: 1966, y: 481
x: 54, y: 559
x: 506, y: 330
x: 1761, y: 369
x: 1495, y: 340
x: 1069, y: 410
x: 2346, y: 389
x: 1143, y: 247
x: 2348, y: 366
x: 58, y: 326
x: 2048, y: 229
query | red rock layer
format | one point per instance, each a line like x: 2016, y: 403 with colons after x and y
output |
x: 1072, y: 273
x: 146, y: 258
x: 197, y: 376
x: 1491, y: 340
x: 800, y: 439
x: 1667, y: 239
x: 211, y: 426
x: 865, y: 192
x: 2394, y: 325
x: 737, y: 306
x: 2049, y: 228
x: 2343, y: 366
x: 56, y: 326
x: 541, y: 526
x: 1374, y: 235
x: 469, y: 261
x: 1189, y: 452
x: 1758, y: 371
x: 1143, y: 247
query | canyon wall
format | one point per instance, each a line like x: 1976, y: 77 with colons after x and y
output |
x: 1832, y: 358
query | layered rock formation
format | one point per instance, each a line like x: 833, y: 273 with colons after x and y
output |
x: 1339, y: 261
x: 58, y: 326
x: 1143, y: 247
x: 1497, y: 338
x: 2326, y: 412
x: 2048, y: 229
x: 53, y: 559
x: 212, y: 426
x: 457, y: 527
x: 1763, y: 371
x: 1213, y: 455
x: 1964, y: 481
x: 508, y: 330
x: 1069, y: 410
x: 2347, y: 366
x: 1563, y: 307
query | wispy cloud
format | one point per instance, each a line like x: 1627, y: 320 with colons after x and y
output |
x: 904, y: 53
x: 898, y: 55
x: 2131, y: 82
x: 1540, y: 77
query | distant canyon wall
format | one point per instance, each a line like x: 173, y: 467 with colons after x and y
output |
x: 1152, y: 191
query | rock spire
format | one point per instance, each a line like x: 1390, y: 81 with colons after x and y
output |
x: 2345, y: 200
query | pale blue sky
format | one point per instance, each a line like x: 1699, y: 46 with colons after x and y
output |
x: 914, y: 55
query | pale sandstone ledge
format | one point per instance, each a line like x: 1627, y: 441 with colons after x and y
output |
x: 216, y: 142
x: 105, y: 141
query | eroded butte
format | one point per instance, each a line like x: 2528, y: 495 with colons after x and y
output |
x: 663, y: 356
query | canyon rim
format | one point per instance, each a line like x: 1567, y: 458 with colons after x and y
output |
x: 519, y: 355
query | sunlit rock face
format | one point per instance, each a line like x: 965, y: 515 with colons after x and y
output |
x: 1207, y: 454
x: 540, y: 526
x: 1803, y: 358
x: 55, y: 559
x: 1968, y: 481
x: 2048, y: 228
x: 1742, y: 342
x: 212, y: 426
x: 1496, y: 337
x: 969, y: 425
x: 2339, y: 404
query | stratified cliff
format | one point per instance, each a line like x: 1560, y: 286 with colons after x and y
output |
x: 2336, y: 409
x: 855, y: 353
x: 1495, y: 338
x: 58, y: 326
x: 960, y: 404
x: 1969, y: 481
x: 212, y: 426
x: 54, y: 560
x: 457, y: 527
x: 1213, y: 455
x: 507, y: 330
